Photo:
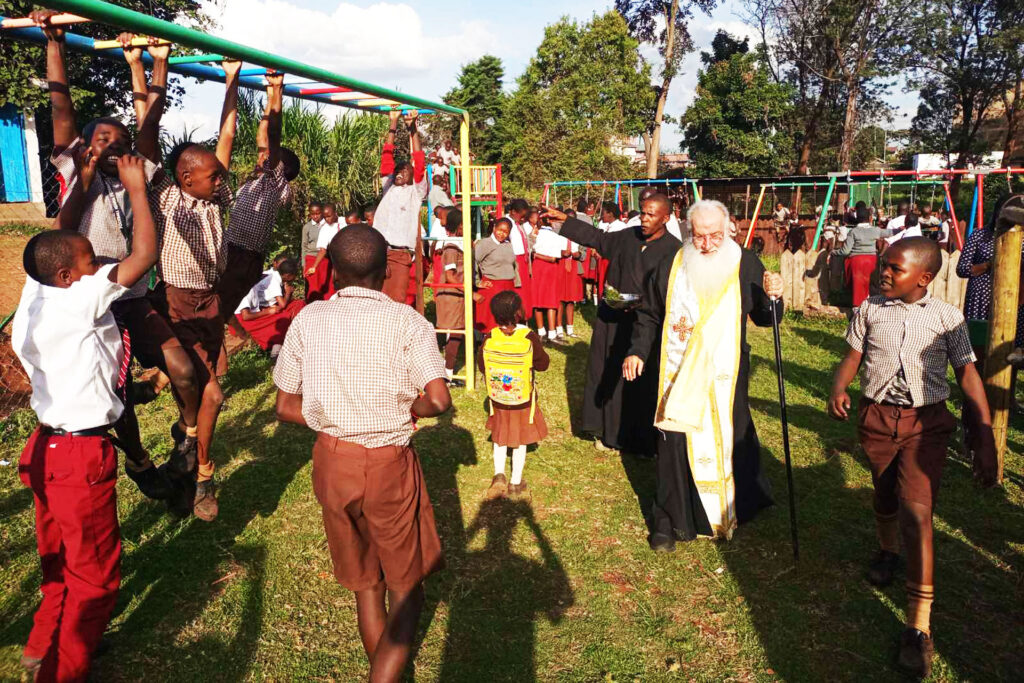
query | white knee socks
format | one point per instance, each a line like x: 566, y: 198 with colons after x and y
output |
x: 518, y: 462
x: 499, y: 459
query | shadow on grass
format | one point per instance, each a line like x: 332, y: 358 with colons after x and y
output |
x: 492, y: 614
x: 575, y: 374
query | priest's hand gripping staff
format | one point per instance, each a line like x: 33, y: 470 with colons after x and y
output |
x: 785, y: 429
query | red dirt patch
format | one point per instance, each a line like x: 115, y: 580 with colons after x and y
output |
x: 11, y: 272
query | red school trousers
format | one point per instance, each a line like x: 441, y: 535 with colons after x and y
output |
x: 72, y: 480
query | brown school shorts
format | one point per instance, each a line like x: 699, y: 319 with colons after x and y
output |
x: 377, y: 514
x: 906, y: 447
x: 244, y: 269
x: 195, y: 319
x: 396, y: 285
x: 149, y: 331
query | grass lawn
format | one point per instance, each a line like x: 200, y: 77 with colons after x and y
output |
x: 564, y: 589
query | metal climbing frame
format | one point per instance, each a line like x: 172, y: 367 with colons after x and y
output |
x: 322, y: 86
x: 618, y: 185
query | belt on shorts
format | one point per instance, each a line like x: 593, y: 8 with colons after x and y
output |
x: 392, y: 247
x: 92, y: 431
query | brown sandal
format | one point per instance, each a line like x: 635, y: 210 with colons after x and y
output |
x: 498, y: 487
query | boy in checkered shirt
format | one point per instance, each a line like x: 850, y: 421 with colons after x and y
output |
x: 257, y: 203
x: 905, y: 339
x: 95, y: 204
x: 188, y: 211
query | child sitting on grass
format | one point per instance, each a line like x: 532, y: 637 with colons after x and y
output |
x: 904, y: 340
x: 519, y: 425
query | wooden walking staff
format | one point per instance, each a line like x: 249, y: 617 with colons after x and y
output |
x: 1002, y: 327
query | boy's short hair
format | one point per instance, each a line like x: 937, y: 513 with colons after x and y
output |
x: 863, y: 213
x: 90, y: 128
x: 581, y: 205
x: 185, y: 154
x: 354, y: 211
x: 288, y: 267
x: 612, y: 208
x: 453, y: 220
x: 925, y: 251
x: 318, y: 205
x: 910, y: 221
x: 504, y: 307
x: 48, y: 252
x: 367, y: 210
x: 359, y: 251
x: 291, y: 163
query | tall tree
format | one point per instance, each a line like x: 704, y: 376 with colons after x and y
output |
x: 733, y: 127
x: 966, y: 63
x: 662, y: 23
x: 584, y: 90
x: 480, y: 93
x: 99, y: 86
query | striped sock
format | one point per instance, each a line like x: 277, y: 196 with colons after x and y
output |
x: 888, y: 529
x: 919, y: 606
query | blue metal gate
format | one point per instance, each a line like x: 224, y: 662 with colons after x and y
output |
x: 14, y: 178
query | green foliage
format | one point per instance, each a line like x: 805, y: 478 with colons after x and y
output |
x: 585, y: 87
x: 340, y: 160
x: 480, y: 93
x: 99, y: 87
x: 733, y: 127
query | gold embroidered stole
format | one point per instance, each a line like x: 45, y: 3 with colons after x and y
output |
x: 700, y: 355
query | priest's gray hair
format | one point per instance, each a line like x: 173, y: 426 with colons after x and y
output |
x: 712, y: 206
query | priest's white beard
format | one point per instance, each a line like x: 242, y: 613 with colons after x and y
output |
x: 708, y: 273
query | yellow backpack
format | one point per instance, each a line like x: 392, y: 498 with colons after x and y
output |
x: 508, y: 368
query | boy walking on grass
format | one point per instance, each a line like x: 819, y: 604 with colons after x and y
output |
x: 358, y: 369
x: 65, y: 335
x: 904, y: 340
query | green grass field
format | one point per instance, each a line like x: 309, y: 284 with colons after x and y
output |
x: 564, y: 589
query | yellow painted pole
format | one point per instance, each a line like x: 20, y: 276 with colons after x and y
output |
x: 1002, y: 329
x: 467, y: 252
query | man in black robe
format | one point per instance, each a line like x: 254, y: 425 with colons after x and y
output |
x: 694, y: 315
x: 621, y: 415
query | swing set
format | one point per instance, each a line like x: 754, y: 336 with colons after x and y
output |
x: 317, y: 85
x: 627, y: 199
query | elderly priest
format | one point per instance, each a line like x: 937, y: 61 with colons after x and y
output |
x: 697, y: 305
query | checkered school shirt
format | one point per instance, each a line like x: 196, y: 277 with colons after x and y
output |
x: 921, y: 338
x: 359, y: 360
x: 190, y: 231
x: 256, y: 205
x: 106, y: 214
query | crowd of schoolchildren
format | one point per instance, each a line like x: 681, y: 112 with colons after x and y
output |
x: 145, y: 266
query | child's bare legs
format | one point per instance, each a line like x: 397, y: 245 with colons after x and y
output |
x: 182, y: 374
x: 916, y: 528
x: 451, y: 353
x: 372, y: 616
x: 395, y: 643
x: 538, y: 317
x: 570, y: 310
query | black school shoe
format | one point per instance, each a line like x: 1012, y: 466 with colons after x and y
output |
x: 151, y: 481
x: 204, y: 505
x: 882, y: 568
x: 916, y: 652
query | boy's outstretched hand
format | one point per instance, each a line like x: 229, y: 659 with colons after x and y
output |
x: 839, y: 405
x: 986, y: 466
x: 410, y: 117
x: 553, y: 214
x: 132, y: 54
x: 41, y: 17
x: 131, y: 170
x: 159, y: 49
x: 393, y: 116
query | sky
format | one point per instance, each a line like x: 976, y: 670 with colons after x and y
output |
x: 419, y: 48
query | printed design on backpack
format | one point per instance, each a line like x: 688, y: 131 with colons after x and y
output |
x: 508, y: 367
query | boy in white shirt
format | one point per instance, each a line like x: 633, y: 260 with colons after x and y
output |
x: 268, y: 309
x: 65, y: 336
x: 319, y: 273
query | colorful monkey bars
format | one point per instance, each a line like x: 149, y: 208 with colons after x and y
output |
x: 321, y: 86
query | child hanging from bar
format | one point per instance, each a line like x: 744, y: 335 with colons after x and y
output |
x: 257, y: 203
x: 398, y: 212
x: 270, y: 306
x: 65, y: 335
x: 508, y: 358
x: 496, y: 271
x: 450, y: 301
x: 188, y: 210
x: 904, y: 339
x: 95, y: 204
x: 318, y: 273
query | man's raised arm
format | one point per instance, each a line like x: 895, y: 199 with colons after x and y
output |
x: 61, y: 108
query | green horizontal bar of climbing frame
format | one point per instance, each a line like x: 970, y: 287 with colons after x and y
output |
x: 143, y: 23
x: 195, y: 59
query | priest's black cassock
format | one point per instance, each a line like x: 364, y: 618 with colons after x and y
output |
x: 619, y: 413
x: 678, y: 512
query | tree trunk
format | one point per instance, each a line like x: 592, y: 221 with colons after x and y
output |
x: 811, y: 131
x: 646, y: 137
x: 849, y: 123
x: 1013, y: 109
x: 654, y: 152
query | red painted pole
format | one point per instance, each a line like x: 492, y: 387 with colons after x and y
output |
x: 323, y: 91
x: 497, y: 179
x: 979, y: 217
x: 952, y: 217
